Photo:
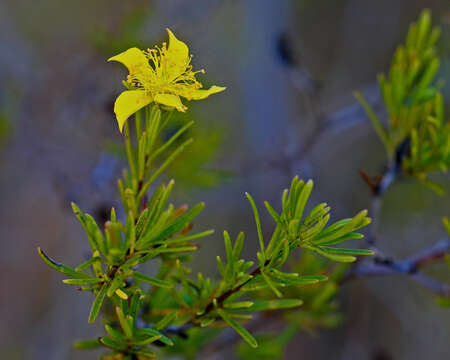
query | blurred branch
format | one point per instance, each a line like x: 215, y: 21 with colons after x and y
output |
x: 325, y: 124
x: 379, y: 186
x: 382, y: 265
x: 386, y: 265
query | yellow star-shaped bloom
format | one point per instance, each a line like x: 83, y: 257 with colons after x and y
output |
x: 159, y: 75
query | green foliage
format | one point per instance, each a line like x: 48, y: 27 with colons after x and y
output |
x: 148, y: 308
x: 417, y: 132
x: 430, y: 143
x: 193, y: 168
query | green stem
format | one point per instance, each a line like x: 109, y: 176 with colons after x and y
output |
x: 138, y: 117
x: 129, y: 150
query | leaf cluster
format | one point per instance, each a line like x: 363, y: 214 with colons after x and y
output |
x: 295, y: 227
x: 417, y: 134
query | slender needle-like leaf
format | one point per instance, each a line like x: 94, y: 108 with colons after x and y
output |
x: 258, y: 222
x: 97, y: 304
x: 238, y: 328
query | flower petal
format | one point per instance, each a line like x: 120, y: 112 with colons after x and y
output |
x: 132, y: 58
x: 177, y: 57
x: 170, y: 100
x: 178, y: 52
x: 194, y: 94
x: 129, y: 102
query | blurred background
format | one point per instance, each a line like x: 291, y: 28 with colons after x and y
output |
x: 290, y: 68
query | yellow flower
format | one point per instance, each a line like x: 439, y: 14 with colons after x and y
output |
x: 160, y: 75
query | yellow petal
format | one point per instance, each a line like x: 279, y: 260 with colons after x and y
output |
x: 193, y: 94
x: 177, y: 56
x: 170, y: 100
x: 133, y: 59
x: 128, y: 102
x: 177, y: 49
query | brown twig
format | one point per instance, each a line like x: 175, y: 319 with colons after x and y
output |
x: 410, y: 266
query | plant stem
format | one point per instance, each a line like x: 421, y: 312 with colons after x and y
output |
x: 129, y: 151
x: 227, y: 294
x: 410, y: 266
x: 138, y: 124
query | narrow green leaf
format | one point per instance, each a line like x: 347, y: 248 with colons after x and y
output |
x: 258, y: 222
x: 220, y: 266
x: 62, y: 268
x: 177, y: 249
x: 166, y: 321
x: 285, y: 253
x: 95, y: 234
x: 273, y: 213
x: 166, y: 163
x: 124, y: 324
x: 293, y: 228
x: 350, y: 236
x: 376, y: 123
x: 284, y: 198
x: 334, y: 250
x: 307, y: 279
x: 97, y: 304
x: 129, y: 151
x: 283, y: 275
x: 111, y: 343
x: 238, y: 246
x: 147, y: 341
x: 294, y: 191
x: 342, y: 228
x: 264, y: 305
x: 121, y: 188
x: 142, y: 222
x: 238, y: 328
x: 271, y: 285
x: 115, y: 334
x: 423, y: 29
x: 87, y: 344
x: 161, y: 203
x: 115, y: 284
x: 82, y: 219
x: 275, y: 254
x: 82, y: 281
x: 335, y: 257
x: 130, y: 233
x: 184, y: 239
x: 153, y: 332
x: 135, y: 304
x: 145, y: 353
x: 153, y: 281
x: 228, y: 247
x: 303, y: 199
x: 177, y: 225
x: 142, y: 152
x: 238, y: 305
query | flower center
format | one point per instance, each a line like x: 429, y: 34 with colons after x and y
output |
x: 165, y: 73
